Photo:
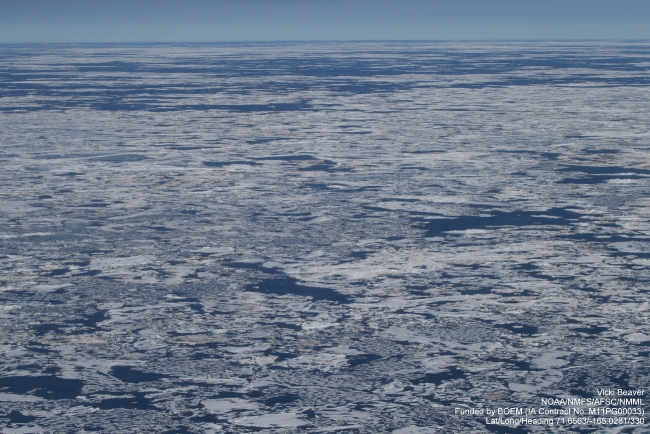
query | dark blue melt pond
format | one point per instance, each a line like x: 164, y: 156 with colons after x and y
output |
x: 288, y: 157
x: 126, y: 374
x: 604, y: 170
x: 289, y: 286
x: 49, y: 387
x: 452, y: 373
x: 600, y: 174
x: 553, y: 216
x: 18, y: 417
x: 227, y: 163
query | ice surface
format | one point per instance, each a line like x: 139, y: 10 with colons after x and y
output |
x: 319, y: 237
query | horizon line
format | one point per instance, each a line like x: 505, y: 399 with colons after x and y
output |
x: 326, y: 41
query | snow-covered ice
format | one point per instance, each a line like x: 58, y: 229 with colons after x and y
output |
x: 340, y: 237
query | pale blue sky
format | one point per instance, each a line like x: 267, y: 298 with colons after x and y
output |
x: 277, y: 20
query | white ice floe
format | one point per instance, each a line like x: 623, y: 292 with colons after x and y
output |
x: 228, y: 405
x: 10, y: 397
x: 637, y: 338
x: 631, y: 246
x: 109, y: 263
x: 213, y: 250
x: 413, y: 429
x: 271, y: 421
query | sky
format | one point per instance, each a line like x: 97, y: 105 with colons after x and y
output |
x: 78, y: 21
